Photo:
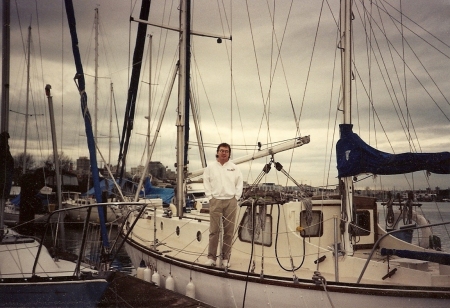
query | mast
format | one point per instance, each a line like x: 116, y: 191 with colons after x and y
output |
x: 182, y: 122
x: 346, y: 57
x: 149, y: 143
x: 96, y: 21
x: 5, y: 86
x: 24, y: 165
x: 110, y: 123
x: 5, y: 65
x: 133, y: 89
x: 80, y: 82
x: 55, y: 145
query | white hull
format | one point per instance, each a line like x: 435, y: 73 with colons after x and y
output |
x: 51, y: 284
x: 183, y: 256
x: 220, y: 289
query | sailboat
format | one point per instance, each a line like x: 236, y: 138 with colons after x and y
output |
x: 291, y: 251
x: 34, y: 271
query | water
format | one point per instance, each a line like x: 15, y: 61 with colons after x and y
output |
x: 434, y: 212
x: 70, y: 239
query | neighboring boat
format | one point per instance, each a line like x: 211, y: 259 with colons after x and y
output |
x: 79, y: 213
x: 287, y: 252
x: 32, y: 275
x: 156, y: 196
x: 196, y: 195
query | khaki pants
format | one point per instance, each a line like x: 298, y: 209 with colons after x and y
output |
x: 217, y: 209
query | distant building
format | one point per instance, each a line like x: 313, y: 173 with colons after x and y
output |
x: 83, y: 165
x: 137, y: 170
x: 171, y: 175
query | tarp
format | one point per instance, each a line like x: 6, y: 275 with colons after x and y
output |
x: 166, y: 194
x: 16, y: 201
x: 354, y: 157
x: 103, y: 187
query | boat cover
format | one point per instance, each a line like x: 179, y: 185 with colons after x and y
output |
x: 354, y: 157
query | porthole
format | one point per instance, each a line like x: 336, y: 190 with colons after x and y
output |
x: 199, y: 236
x: 162, y: 225
x: 177, y: 231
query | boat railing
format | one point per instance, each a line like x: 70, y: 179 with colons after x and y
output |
x: 412, y: 227
x: 51, y: 218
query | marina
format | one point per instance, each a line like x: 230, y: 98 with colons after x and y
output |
x: 235, y: 224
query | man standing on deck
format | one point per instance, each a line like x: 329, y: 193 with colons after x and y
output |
x: 223, y: 187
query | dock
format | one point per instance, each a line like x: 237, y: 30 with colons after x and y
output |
x: 129, y: 291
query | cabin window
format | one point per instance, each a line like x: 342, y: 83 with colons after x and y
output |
x: 263, y: 228
x: 312, y: 223
x: 362, y: 222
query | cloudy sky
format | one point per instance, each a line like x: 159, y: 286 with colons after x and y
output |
x: 278, y: 78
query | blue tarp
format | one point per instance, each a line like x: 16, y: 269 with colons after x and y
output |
x: 16, y: 201
x: 166, y: 194
x: 103, y: 184
x: 354, y: 157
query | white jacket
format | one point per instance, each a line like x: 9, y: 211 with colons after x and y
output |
x: 222, y: 181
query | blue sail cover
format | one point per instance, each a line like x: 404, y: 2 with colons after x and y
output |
x: 354, y: 157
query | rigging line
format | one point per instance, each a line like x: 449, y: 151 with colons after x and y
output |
x: 271, y: 69
x: 381, y: 72
x: 389, y: 92
x: 62, y: 75
x: 228, y: 23
x: 279, y: 45
x: 279, y: 59
x: 370, y: 76
x: 418, y: 59
x: 326, y: 175
x: 401, y: 88
x: 34, y: 99
x: 206, y: 94
x: 421, y: 28
x: 42, y: 67
x: 257, y: 65
x: 159, y: 59
x: 20, y: 28
x: 367, y: 23
x: 405, y: 94
x: 379, y: 120
x: 310, y: 61
x: 408, y: 115
x: 230, y: 57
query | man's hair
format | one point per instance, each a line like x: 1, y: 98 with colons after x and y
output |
x: 224, y: 145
